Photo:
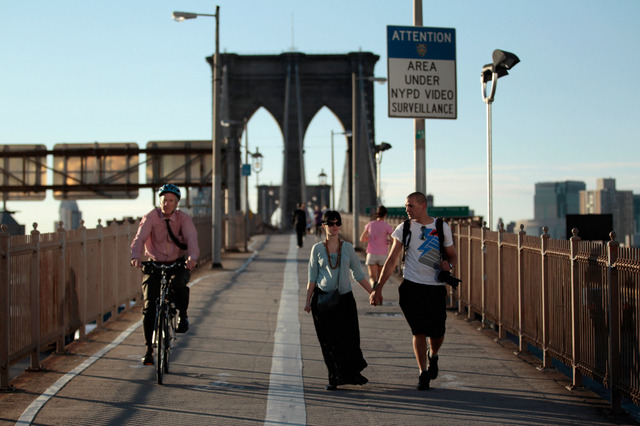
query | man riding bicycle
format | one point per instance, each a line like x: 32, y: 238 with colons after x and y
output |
x: 166, y: 235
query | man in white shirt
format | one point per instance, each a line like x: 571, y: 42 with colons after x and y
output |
x: 422, y: 295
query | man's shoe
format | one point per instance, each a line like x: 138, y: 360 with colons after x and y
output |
x: 183, y: 325
x: 147, y: 359
x: 423, y: 381
x: 432, y: 367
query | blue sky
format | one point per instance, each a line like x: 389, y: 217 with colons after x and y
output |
x: 123, y: 71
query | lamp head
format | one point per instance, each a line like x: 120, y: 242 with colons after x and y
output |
x: 382, y: 147
x: 503, y: 59
x: 181, y: 16
x: 488, y: 69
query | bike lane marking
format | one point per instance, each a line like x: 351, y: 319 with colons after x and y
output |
x: 285, y: 402
x: 29, y: 414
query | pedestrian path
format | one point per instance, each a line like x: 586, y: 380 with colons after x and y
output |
x: 251, y: 357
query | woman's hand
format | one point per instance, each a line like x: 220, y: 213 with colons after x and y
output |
x: 307, y: 307
x: 375, y: 298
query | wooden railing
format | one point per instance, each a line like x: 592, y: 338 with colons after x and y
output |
x: 52, y: 285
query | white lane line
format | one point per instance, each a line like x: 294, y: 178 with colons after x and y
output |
x: 32, y: 410
x: 285, y: 403
x: 30, y: 413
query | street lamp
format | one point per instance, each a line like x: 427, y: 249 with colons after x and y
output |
x: 379, y: 149
x: 333, y: 181
x: 502, y: 62
x: 257, y: 164
x: 322, y: 178
x: 216, y: 178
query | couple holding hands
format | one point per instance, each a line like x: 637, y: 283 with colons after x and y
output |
x: 422, y: 297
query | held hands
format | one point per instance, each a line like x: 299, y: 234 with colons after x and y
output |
x: 375, y: 298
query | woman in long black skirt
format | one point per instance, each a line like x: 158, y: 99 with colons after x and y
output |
x: 331, y: 265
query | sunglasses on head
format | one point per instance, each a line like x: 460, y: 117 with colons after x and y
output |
x: 333, y: 223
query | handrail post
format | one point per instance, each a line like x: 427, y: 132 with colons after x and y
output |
x: 100, y: 275
x: 614, y: 323
x: 521, y: 272
x: 544, y: 244
x: 116, y: 267
x: 483, y: 272
x: 575, y: 319
x: 62, y: 294
x: 83, y: 283
x: 4, y: 308
x: 34, y: 295
x: 501, y: 333
x: 470, y: 270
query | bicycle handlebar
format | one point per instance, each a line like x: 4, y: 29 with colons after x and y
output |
x: 161, y: 266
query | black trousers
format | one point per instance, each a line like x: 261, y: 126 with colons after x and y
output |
x: 339, y: 336
x: 300, y: 233
x: 179, y: 278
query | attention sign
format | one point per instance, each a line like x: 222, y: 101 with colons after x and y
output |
x: 422, y: 72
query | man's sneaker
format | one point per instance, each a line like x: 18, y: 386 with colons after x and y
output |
x: 432, y: 365
x: 147, y: 359
x: 423, y: 381
x: 183, y: 325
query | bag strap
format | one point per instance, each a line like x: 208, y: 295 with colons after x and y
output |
x: 440, y: 232
x: 173, y: 237
x: 406, y: 237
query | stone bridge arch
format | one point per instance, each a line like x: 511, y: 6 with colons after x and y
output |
x: 293, y: 87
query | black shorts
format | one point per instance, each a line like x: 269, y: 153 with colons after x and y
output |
x: 424, y: 307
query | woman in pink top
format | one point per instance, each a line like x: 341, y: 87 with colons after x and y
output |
x: 377, y: 234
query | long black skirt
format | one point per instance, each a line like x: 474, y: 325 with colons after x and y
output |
x: 339, y: 335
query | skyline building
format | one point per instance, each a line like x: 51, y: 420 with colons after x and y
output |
x: 552, y: 202
x: 606, y: 199
x: 69, y: 215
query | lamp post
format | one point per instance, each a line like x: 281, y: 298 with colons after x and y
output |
x: 216, y: 178
x: 333, y: 177
x: 379, y: 150
x: 322, y: 182
x: 257, y: 164
x: 502, y: 61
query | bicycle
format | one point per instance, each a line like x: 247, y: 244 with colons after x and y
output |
x: 165, y: 322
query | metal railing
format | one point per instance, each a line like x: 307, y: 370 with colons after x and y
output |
x: 52, y: 285
x: 577, y: 301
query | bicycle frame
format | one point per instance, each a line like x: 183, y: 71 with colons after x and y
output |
x: 165, y: 321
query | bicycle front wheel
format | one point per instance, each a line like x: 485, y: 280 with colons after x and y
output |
x: 167, y: 344
x: 160, y: 345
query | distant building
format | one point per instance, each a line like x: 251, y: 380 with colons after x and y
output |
x: 555, y: 200
x: 606, y: 199
x: 552, y: 202
x: 70, y: 215
x: 636, y: 213
x: 13, y: 227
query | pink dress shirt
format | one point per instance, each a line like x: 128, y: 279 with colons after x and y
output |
x: 153, y: 237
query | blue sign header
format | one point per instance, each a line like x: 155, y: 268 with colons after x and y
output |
x: 421, y: 43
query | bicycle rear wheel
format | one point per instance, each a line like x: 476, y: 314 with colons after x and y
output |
x: 160, y: 345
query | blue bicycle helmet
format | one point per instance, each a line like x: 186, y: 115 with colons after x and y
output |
x: 169, y: 187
